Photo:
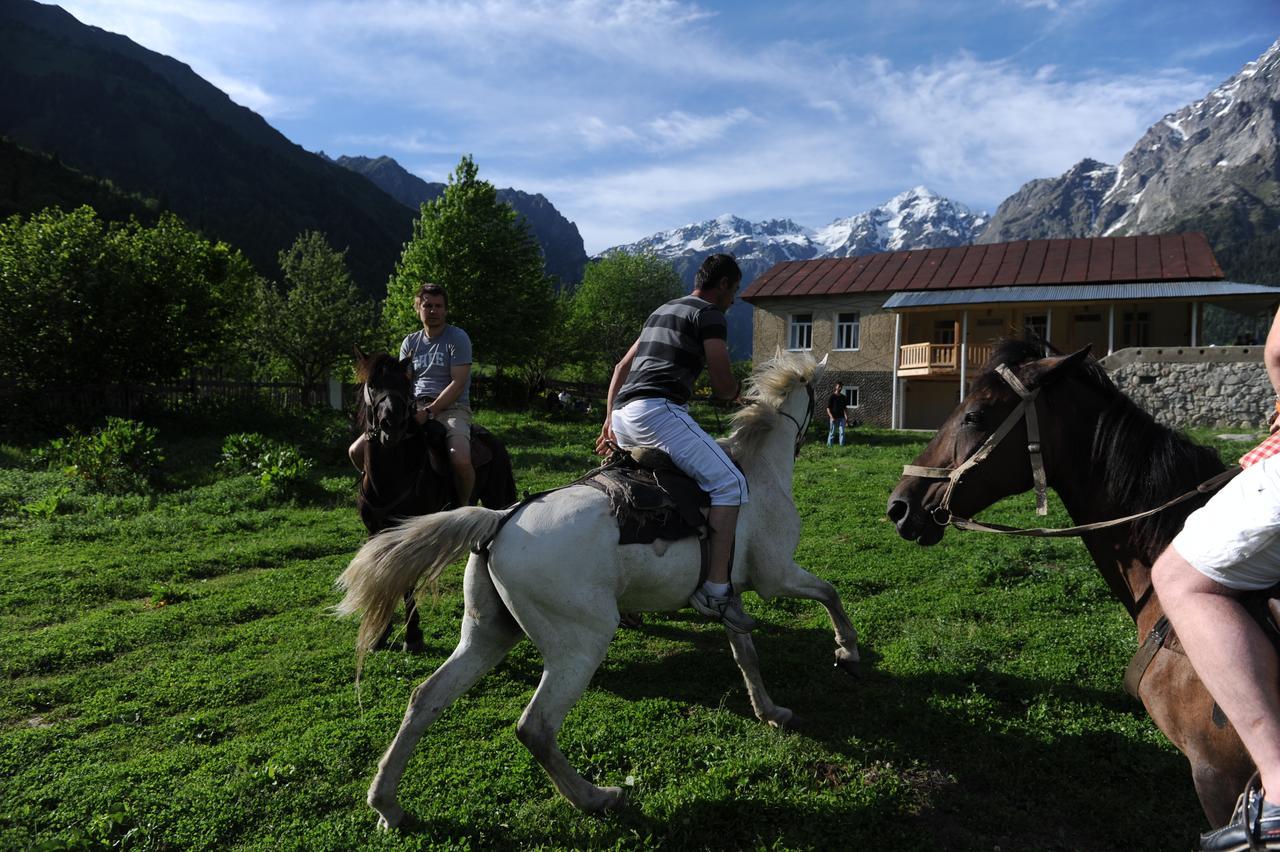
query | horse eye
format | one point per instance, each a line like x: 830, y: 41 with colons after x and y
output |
x: 973, y: 418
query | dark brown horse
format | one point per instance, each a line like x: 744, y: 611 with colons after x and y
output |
x: 1106, y: 458
x: 400, y: 479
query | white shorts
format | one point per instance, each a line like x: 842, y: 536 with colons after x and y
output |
x: 1234, y: 539
x: 662, y: 424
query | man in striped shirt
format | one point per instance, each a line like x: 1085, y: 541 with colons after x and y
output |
x: 648, y: 407
x: 1227, y: 547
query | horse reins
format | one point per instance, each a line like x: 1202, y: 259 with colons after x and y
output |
x: 943, y: 516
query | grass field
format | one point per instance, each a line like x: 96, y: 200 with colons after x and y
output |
x: 173, y: 679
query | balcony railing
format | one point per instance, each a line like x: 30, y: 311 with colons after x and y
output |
x: 940, y: 359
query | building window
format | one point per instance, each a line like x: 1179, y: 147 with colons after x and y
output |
x: 800, y: 334
x: 851, y: 397
x: 944, y: 331
x: 1136, y: 328
x: 847, y: 327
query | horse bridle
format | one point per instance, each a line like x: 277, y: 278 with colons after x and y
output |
x: 373, y: 399
x: 941, y: 514
x: 801, y: 428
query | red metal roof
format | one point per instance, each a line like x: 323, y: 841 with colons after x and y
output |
x: 1098, y: 260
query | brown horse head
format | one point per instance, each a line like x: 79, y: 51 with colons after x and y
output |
x: 386, y: 395
x: 917, y: 505
x: 1106, y: 458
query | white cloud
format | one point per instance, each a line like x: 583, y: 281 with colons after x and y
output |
x: 635, y: 113
x: 985, y: 128
x: 1211, y: 48
x: 678, y: 129
x: 251, y: 95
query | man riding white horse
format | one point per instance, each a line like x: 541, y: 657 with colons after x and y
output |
x: 648, y: 407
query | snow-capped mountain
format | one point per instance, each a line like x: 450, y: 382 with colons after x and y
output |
x: 917, y: 218
x: 1215, y: 160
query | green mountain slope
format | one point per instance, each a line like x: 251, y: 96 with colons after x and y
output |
x: 30, y: 182
x: 110, y: 108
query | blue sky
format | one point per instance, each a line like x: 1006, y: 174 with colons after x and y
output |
x: 634, y: 117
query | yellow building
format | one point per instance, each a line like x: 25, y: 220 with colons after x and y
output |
x: 905, y: 331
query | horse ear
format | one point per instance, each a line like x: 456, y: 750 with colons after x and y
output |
x: 1050, y: 369
x: 821, y: 368
x: 406, y: 364
x: 362, y: 364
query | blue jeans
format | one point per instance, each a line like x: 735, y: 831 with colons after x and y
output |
x: 831, y: 430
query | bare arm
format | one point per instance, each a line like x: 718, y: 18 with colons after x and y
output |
x: 620, y: 372
x: 1271, y: 360
x: 719, y: 371
x: 1271, y: 354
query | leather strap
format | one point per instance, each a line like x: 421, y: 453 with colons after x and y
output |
x: 1141, y: 660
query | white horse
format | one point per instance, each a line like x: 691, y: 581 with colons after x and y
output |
x: 556, y: 574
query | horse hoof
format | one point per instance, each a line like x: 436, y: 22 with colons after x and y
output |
x: 631, y: 620
x: 393, y: 817
x: 610, y: 798
x: 784, y: 718
x: 849, y: 666
x: 416, y: 647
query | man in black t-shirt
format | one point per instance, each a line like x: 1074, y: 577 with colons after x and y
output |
x: 835, y: 413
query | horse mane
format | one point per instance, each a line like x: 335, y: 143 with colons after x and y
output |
x: 764, y: 392
x: 1142, y: 462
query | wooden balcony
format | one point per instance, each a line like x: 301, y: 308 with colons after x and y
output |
x: 940, y: 359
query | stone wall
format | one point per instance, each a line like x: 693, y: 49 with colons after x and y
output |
x: 875, y: 392
x: 1225, y: 387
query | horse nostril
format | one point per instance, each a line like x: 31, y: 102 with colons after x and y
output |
x: 897, y: 510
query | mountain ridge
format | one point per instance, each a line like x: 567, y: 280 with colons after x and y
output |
x: 1212, y: 165
x: 562, y: 249
x: 916, y: 218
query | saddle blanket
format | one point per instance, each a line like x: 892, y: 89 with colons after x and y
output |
x: 651, y: 504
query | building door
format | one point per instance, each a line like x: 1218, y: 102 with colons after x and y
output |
x: 1088, y: 328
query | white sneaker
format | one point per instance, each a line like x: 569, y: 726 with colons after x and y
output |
x: 727, y: 609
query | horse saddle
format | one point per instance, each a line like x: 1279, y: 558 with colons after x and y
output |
x: 650, y: 497
x: 438, y: 449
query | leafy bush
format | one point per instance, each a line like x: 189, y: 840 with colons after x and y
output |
x: 277, y: 466
x: 117, y: 458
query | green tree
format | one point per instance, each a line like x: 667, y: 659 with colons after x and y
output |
x: 472, y: 244
x: 558, y: 347
x: 311, y: 324
x: 86, y: 302
x: 617, y: 294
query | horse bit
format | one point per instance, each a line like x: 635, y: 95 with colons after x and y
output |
x: 941, y: 514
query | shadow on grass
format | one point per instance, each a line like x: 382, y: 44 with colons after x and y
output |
x: 954, y: 761
x: 987, y: 779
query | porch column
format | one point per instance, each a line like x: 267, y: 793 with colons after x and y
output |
x: 1111, y: 329
x: 1195, y: 330
x: 1048, y: 326
x: 894, y: 422
x: 964, y: 350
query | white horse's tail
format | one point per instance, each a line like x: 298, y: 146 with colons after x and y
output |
x: 399, y: 560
